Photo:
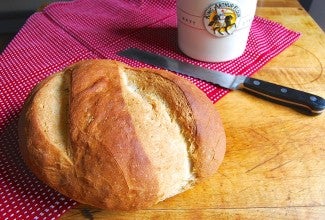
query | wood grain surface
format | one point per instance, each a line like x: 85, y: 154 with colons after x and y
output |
x: 275, y: 161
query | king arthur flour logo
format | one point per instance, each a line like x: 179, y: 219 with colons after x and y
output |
x: 221, y: 18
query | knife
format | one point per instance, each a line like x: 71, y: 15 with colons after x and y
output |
x: 309, y: 103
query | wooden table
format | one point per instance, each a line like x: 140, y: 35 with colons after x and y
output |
x: 275, y: 160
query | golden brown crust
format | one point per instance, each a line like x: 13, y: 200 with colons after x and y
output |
x: 31, y: 137
x: 119, y: 169
x: 210, y: 135
x: 105, y: 163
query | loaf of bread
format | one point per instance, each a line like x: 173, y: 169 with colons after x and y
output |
x: 117, y: 137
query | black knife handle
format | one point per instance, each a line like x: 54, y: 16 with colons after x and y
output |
x: 291, y: 97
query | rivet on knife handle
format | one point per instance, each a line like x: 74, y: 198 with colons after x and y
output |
x: 288, y: 96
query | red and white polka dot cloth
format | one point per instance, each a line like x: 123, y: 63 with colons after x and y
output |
x: 67, y: 32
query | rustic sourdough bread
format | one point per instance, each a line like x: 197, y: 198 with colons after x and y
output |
x: 116, y: 137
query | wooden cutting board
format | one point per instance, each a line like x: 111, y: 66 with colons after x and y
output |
x: 275, y: 161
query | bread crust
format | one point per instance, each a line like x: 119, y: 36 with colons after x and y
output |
x: 105, y: 163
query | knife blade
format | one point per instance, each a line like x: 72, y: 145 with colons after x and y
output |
x: 310, y: 103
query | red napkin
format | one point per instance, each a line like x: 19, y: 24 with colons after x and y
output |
x: 67, y: 32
